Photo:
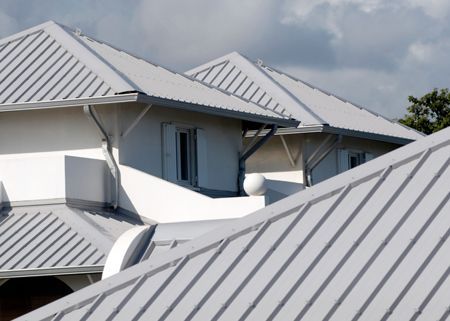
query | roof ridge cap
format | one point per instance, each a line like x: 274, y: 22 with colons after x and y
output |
x: 285, y: 92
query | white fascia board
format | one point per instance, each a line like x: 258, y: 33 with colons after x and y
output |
x: 102, y: 100
x: 67, y: 270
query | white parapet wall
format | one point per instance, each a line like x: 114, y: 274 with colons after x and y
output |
x: 166, y: 202
x: 52, y: 179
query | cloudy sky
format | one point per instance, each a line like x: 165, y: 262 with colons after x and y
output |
x: 372, y: 52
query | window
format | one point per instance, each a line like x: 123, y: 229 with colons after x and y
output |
x: 348, y: 159
x: 184, y: 154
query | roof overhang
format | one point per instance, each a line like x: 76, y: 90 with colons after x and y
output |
x: 143, y: 98
x: 338, y: 131
x: 67, y: 270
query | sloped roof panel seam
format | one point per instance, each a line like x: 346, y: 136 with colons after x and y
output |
x: 424, y: 264
x: 23, y: 66
x: 30, y: 76
x: 87, y: 57
x: 27, y: 240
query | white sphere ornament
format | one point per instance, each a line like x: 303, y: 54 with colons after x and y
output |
x: 255, y: 184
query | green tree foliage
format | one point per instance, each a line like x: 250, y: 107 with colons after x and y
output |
x: 430, y: 112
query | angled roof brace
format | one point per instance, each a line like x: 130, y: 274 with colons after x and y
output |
x: 136, y: 120
x: 249, y: 152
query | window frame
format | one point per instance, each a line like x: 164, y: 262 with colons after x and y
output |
x: 196, y: 155
x: 345, y: 155
x: 190, y: 157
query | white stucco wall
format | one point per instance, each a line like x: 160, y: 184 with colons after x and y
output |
x: 165, y: 202
x: 67, y: 131
x: 142, y: 147
x: 54, y: 178
x: 53, y: 131
x: 271, y: 160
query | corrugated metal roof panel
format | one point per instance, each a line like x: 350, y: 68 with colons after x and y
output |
x: 51, y: 62
x: 280, y: 92
x: 369, y: 244
x: 38, y: 66
x: 160, y: 82
x: 56, y: 236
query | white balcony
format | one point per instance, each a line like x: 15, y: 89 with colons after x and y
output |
x: 67, y: 179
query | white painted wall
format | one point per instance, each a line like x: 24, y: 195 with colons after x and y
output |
x: 46, y: 158
x: 166, y: 202
x: 55, y: 131
x: 271, y: 160
x: 142, y: 148
x: 53, y: 178
x: 67, y: 131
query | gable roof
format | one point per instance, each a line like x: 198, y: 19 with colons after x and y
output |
x: 313, y: 107
x: 371, y: 243
x: 57, y: 239
x: 52, y: 65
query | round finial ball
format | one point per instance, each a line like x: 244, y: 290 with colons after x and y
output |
x: 255, y: 184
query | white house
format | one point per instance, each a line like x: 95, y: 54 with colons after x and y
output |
x: 333, y: 134
x: 65, y: 94
x: 95, y: 142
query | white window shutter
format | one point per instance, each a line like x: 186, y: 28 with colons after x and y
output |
x: 169, y: 152
x: 342, y: 160
x: 202, y: 158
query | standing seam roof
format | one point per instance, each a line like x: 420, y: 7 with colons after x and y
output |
x: 310, y: 105
x: 371, y: 243
x: 45, y: 237
x: 51, y: 62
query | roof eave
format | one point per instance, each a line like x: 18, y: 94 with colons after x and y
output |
x: 66, y: 270
x: 367, y: 135
x: 143, y: 98
x: 338, y: 131
x: 101, y: 100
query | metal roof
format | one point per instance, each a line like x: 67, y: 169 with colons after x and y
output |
x: 369, y: 244
x: 169, y: 235
x: 278, y: 91
x: 56, y: 239
x: 51, y: 62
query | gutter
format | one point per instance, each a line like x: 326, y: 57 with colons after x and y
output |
x: 107, y: 152
x: 66, y: 270
x: 249, y: 152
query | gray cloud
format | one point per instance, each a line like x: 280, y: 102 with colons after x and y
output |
x: 375, y: 52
